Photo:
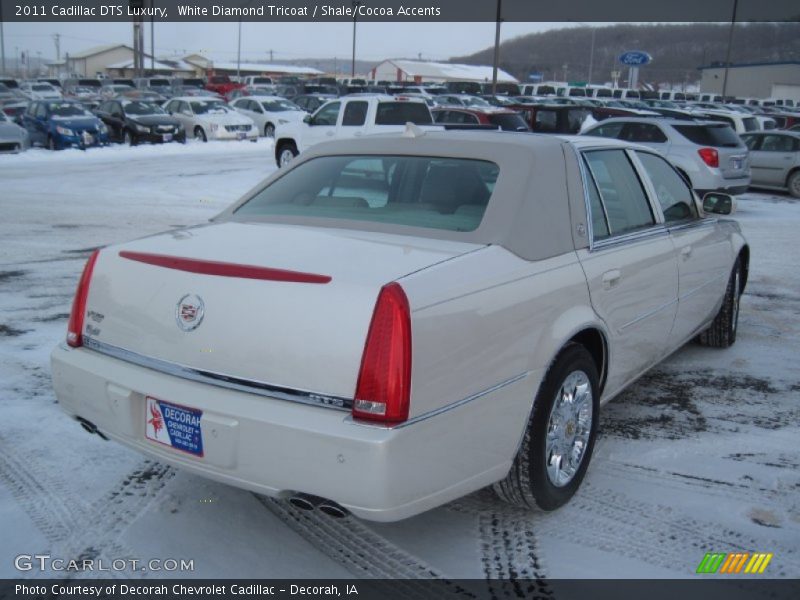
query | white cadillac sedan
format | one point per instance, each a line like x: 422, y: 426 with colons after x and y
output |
x: 268, y: 112
x: 395, y: 321
x: 211, y: 119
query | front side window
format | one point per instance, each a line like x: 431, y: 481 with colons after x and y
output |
x: 417, y: 191
x: 674, y: 196
x: 777, y: 143
x: 621, y: 192
x: 328, y: 114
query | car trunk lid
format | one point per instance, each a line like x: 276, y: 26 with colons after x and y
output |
x: 285, y: 305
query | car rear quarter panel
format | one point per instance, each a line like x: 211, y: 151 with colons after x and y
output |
x: 489, y: 319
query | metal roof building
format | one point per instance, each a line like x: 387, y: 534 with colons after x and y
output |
x: 418, y: 71
x: 754, y: 80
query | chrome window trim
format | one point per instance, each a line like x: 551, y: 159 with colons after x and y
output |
x: 585, y: 174
x: 622, y: 238
x: 701, y: 222
x: 231, y: 382
x: 631, y: 237
x: 443, y: 409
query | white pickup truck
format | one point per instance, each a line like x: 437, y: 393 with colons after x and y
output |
x: 349, y: 117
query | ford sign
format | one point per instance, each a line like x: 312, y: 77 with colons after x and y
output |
x: 635, y: 58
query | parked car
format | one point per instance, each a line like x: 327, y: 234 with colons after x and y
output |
x: 133, y: 122
x: 159, y: 85
x: 267, y: 112
x: 13, y: 138
x: 115, y: 89
x: 8, y: 94
x: 311, y: 102
x: 60, y: 124
x: 15, y: 110
x: 210, y: 119
x: 739, y: 122
x: 144, y: 96
x: 222, y: 85
x: 82, y: 93
x: 460, y: 100
x: 252, y: 90
x: 553, y: 118
x: 484, y: 296
x: 259, y: 80
x: 348, y: 117
x: 709, y: 155
x: 33, y: 90
x: 505, y: 119
x: 775, y: 160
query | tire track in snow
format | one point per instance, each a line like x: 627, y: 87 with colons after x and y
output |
x: 364, y: 553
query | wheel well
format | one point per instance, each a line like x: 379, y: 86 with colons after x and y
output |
x: 789, y: 175
x: 595, y: 343
x: 744, y: 261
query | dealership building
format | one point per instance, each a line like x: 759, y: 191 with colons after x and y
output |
x: 435, y: 72
x: 754, y: 80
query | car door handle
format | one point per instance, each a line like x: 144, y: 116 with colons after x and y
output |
x: 611, y: 278
x: 686, y: 252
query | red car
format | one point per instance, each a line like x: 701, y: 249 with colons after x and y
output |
x: 222, y: 85
x: 507, y: 120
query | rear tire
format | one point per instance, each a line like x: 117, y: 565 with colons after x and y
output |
x: 722, y: 332
x: 285, y: 153
x: 128, y: 139
x: 793, y: 183
x: 559, y: 439
x: 51, y: 143
x: 199, y: 134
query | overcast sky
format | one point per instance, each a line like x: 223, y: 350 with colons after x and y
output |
x: 434, y: 41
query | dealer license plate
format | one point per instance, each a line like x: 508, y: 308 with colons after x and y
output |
x: 736, y: 163
x: 241, y: 135
x: 167, y: 137
x: 174, y: 426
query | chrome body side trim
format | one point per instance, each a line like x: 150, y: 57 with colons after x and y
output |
x: 443, y: 409
x: 219, y: 379
x: 635, y: 236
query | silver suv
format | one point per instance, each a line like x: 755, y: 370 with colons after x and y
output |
x: 709, y: 155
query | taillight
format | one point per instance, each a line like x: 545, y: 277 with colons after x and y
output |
x: 710, y: 156
x: 383, y: 390
x: 75, y: 326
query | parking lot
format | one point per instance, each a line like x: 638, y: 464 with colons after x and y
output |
x: 699, y: 456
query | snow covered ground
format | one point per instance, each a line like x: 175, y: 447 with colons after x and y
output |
x: 701, y: 456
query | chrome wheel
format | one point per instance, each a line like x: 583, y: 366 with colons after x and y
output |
x: 794, y: 185
x: 286, y: 156
x: 569, y: 428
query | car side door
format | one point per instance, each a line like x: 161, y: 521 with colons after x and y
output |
x: 322, y: 124
x: 354, y: 118
x: 702, y: 247
x: 776, y: 155
x: 630, y: 265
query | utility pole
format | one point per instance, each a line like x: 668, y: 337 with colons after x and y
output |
x: 2, y: 44
x: 591, y: 56
x: 356, y: 4
x: 57, y: 40
x: 496, y: 46
x: 270, y: 55
x: 728, y: 55
x: 152, y: 41
x: 239, y: 54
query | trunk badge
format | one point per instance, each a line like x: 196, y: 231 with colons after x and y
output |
x: 189, y: 312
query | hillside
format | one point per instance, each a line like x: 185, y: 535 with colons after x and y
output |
x: 677, y: 50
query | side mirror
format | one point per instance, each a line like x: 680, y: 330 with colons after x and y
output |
x: 307, y: 120
x: 719, y: 204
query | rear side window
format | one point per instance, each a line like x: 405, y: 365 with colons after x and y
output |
x: 710, y: 135
x: 609, y: 130
x: 417, y: 191
x: 509, y: 122
x: 750, y: 124
x: 400, y: 113
x: 621, y: 192
x: 355, y: 113
x: 674, y: 196
x: 644, y: 133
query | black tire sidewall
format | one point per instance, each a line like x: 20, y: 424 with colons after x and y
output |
x: 549, y: 496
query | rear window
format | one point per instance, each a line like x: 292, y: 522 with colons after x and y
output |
x: 509, y: 122
x: 710, y: 135
x: 400, y: 113
x: 416, y: 191
x: 750, y: 124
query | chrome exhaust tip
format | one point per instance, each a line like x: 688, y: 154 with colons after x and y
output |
x: 301, y: 502
x: 333, y: 510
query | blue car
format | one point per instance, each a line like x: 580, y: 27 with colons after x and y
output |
x: 59, y: 124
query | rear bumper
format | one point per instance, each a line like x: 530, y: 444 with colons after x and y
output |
x: 279, y: 448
